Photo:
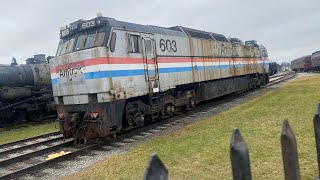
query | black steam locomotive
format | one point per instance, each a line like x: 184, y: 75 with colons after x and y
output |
x: 25, y: 91
x: 273, y: 68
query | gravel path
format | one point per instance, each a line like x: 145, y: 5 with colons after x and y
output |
x: 77, y: 164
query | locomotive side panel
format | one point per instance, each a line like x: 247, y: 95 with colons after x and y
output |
x: 174, y: 62
x: 204, y: 66
x: 128, y: 68
x: 212, y: 68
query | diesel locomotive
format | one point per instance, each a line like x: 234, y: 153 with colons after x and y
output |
x: 110, y: 75
x: 25, y: 91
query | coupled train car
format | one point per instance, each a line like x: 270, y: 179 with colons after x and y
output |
x: 25, y: 91
x: 110, y: 75
x: 315, y: 61
x: 302, y: 64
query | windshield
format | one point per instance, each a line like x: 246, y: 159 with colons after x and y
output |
x: 65, y: 46
x: 84, y: 41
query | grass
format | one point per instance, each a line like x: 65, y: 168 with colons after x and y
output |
x: 201, y: 150
x: 26, y: 131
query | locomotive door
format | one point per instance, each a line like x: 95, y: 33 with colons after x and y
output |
x: 151, y: 65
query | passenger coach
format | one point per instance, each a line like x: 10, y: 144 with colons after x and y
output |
x: 110, y: 75
x: 315, y: 61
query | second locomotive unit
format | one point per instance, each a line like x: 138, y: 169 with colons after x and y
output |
x: 110, y: 75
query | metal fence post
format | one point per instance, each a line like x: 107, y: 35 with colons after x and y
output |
x: 316, y: 124
x: 156, y: 170
x: 289, y: 153
x: 240, y: 160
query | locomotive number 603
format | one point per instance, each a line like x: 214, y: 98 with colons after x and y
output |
x: 168, y: 45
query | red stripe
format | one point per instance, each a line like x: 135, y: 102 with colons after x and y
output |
x: 98, y: 61
x: 117, y: 60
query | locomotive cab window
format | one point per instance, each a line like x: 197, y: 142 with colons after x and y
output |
x: 87, y: 41
x: 148, y: 45
x: 134, y: 43
x: 264, y: 53
x: 113, y: 41
x: 65, y: 46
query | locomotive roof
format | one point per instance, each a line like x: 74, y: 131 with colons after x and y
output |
x: 200, y: 34
x: 317, y: 52
x: 173, y: 31
x: 143, y: 28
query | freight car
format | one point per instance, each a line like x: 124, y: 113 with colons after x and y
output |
x: 25, y: 91
x: 315, y: 61
x: 302, y: 64
x: 273, y: 68
x: 110, y: 75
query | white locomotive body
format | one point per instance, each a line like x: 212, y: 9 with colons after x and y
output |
x: 109, y: 75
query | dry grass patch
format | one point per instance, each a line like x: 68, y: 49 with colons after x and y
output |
x: 11, y: 134
x: 201, y: 150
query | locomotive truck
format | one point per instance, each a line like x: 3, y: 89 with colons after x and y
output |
x: 110, y: 75
x: 25, y: 91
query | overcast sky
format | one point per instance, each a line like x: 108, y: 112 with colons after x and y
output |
x: 288, y: 28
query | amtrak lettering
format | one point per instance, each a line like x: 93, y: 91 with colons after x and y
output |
x: 70, y: 71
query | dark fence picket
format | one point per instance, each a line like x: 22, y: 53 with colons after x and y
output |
x: 289, y: 153
x: 239, y: 155
x: 316, y: 123
x: 155, y: 170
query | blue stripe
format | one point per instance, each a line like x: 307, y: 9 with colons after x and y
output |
x: 176, y: 69
x: 117, y: 73
x: 55, y: 81
x: 140, y: 72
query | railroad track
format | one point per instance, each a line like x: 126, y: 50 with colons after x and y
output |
x: 30, y: 155
x: 280, y: 78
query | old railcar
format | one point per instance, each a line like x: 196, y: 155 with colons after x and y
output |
x: 110, y: 75
x: 315, y: 61
x: 302, y: 64
x: 25, y: 91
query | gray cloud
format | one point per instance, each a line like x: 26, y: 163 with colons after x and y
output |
x: 288, y: 28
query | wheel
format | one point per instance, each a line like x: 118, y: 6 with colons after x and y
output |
x: 34, y: 116
x: 138, y: 119
x: 15, y: 119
